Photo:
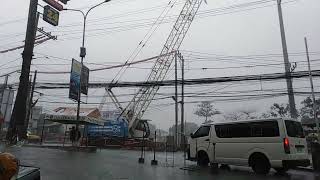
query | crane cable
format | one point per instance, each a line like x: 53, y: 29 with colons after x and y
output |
x: 145, y: 39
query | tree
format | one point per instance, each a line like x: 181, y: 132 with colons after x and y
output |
x: 265, y: 116
x: 243, y: 114
x: 307, y: 110
x: 206, y: 109
x: 249, y: 113
x: 234, y: 116
x: 277, y: 110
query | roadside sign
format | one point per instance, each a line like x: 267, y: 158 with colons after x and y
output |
x: 54, y: 4
x: 51, y: 15
x: 74, y: 80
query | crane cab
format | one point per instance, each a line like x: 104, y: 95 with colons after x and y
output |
x: 142, y: 130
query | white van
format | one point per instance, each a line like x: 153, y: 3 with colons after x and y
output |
x: 261, y: 144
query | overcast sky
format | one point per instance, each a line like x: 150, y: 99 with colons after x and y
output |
x: 226, y: 34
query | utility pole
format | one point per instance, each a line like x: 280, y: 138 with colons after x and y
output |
x: 182, y: 103
x: 30, y: 106
x: 312, y: 89
x: 183, y: 135
x: 176, y: 97
x: 292, y: 105
x: 18, y: 117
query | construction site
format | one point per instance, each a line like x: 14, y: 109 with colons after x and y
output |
x: 140, y: 79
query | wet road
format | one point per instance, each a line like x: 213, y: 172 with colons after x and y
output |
x: 123, y: 164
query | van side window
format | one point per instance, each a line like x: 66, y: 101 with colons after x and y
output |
x: 223, y: 131
x: 251, y: 129
x: 265, y: 129
x: 202, y: 131
x: 240, y: 130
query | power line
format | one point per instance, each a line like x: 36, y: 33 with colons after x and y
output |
x: 207, y: 13
x: 189, y: 82
x: 145, y: 39
x: 217, y: 93
x: 220, y: 98
x: 105, y: 68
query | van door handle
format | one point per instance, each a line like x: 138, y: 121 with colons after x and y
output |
x: 207, y: 140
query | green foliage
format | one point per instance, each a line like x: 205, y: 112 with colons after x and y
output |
x: 307, y: 108
x: 283, y: 110
x: 279, y: 110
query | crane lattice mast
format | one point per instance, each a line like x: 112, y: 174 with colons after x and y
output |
x: 142, y: 99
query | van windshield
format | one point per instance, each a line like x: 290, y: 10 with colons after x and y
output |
x: 294, y: 129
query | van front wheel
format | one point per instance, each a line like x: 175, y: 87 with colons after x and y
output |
x: 281, y: 170
x: 261, y: 165
x: 203, y: 159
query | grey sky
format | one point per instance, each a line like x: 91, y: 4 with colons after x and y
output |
x: 113, y: 35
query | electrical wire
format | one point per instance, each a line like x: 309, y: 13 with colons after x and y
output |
x: 145, y: 39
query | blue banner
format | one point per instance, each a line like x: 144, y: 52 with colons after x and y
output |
x: 74, y: 80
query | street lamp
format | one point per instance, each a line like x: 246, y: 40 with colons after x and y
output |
x: 83, y: 53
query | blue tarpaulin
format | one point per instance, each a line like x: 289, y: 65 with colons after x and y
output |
x: 111, y: 128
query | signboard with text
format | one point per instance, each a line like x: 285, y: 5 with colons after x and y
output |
x: 50, y: 15
x: 75, y: 79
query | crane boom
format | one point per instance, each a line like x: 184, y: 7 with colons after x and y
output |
x: 136, y: 108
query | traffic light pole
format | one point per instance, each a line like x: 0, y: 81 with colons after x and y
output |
x: 18, y: 117
x: 82, y: 55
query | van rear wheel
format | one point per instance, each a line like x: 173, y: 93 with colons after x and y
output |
x: 260, y: 165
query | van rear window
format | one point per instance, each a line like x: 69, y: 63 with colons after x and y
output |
x: 294, y: 129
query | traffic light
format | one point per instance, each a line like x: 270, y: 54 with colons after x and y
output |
x: 64, y: 1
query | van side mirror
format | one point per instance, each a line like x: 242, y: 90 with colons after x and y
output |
x: 191, y: 135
